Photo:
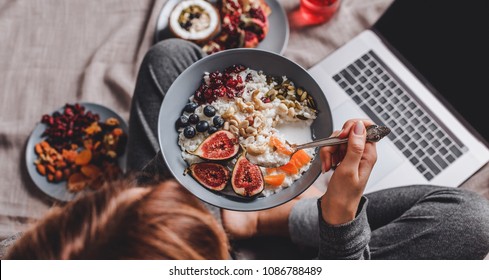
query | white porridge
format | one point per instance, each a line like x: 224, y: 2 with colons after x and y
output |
x: 263, y: 112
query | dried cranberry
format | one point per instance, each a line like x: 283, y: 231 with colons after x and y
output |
x: 45, y: 119
x: 67, y: 128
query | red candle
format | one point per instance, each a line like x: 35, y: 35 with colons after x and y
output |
x: 318, y: 11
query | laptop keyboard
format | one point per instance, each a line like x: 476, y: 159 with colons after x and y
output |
x: 387, y: 101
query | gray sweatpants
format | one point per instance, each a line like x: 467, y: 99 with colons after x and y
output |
x: 414, y: 222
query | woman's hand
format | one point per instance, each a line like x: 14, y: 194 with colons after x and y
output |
x: 353, y: 163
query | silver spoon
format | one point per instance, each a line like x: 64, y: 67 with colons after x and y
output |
x: 374, y: 134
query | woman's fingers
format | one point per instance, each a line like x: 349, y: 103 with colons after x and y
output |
x: 368, y: 161
x: 355, y: 149
x: 326, y: 154
x: 332, y: 156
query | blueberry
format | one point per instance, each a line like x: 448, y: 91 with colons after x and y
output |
x: 182, y: 121
x: 189, y: 132
x: 218, y: 121
x: 212, y: 129
x: 202, y: 126
x: 193, y: 119
x: 190, y: 107
x: 209, y: 111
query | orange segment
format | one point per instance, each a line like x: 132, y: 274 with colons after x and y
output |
x: 275, y: 180
x: 271, y: 170
x: 281, y: 147
x: 301, y: 158
x: 290, y: 168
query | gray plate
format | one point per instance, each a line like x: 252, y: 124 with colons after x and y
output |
x: 58, y: 191
x: 275, y: 41
x: 186, y: 84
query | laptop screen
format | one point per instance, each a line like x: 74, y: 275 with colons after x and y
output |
x: 446, y: 42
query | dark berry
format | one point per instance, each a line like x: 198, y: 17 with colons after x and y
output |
x: 218, y: 121
x: 212, y: 129
x: 189, y: 132
x: 209, y: 111
x: 190, y: 107
x: 182, y: 121
x: 202, y: 126
x: 193, y: 119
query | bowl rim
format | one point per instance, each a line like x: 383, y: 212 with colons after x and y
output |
x: 234, y: 204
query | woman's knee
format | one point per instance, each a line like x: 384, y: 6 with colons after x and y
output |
x: 178, y: 50
x: 470, y: 220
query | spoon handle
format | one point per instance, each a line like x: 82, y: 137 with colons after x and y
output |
x: 374, y: 134
x: 322, y: 143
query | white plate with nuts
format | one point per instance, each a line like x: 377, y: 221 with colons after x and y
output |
x: 284, y: 92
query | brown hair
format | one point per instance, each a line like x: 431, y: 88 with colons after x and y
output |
x: 162, y: 222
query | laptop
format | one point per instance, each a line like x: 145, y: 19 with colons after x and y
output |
x: 415, y: 71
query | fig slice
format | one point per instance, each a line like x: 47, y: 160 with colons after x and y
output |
x: 221, y: 145
x: 213, y: 176
x: 247, y: 179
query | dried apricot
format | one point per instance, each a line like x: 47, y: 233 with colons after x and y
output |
x: 94, y: 128
x: 91, y: 171
x: 77, y: 182
x: 69, y: 155
x: 84, y: 157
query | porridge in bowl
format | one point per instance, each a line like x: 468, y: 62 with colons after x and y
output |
x: 237, y: 123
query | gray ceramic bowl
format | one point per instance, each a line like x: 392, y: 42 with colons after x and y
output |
x: 186, y: 84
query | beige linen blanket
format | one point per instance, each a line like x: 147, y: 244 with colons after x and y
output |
x: 53, y: 52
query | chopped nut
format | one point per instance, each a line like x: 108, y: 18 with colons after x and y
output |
x: 251, y: 130
x: 112, y: 122
x: 242, y: 132
x: 254, y: 150
x: 38, y: 148
x: 244, y: 124
x: 291, y: 112
x: 282, y: 108
x: 233, y: 122
x: 229, y: 112
x: 41, y: 169
x: 234, y: 129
